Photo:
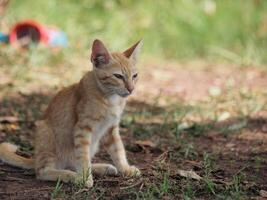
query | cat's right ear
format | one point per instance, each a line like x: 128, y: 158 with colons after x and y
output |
x: 100, y: 55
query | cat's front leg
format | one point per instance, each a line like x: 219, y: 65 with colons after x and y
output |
x: 82, y: 141
x: 117, y: 152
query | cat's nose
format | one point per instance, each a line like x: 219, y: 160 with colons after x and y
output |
x: 130, y: 88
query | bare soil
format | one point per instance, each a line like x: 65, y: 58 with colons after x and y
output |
x: 243, y: 152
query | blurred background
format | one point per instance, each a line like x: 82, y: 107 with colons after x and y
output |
x: 235, y: 31
x: 177, y: 34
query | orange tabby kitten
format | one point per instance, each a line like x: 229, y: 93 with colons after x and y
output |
x: 79, y: 117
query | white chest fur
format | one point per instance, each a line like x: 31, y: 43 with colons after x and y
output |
x: 113, y: 117
x: 116, y: 107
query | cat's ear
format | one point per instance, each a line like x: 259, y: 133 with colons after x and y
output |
x: 133, y: 52
x: 100, y: 55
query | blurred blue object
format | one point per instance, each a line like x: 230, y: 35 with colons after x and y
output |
x: 4, y: 37
x: 57, y: 38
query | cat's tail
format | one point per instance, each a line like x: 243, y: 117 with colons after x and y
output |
x: 9, y: 156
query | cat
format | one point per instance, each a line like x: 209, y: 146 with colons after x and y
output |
x: 79, y: 117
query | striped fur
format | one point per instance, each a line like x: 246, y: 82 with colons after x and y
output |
x: 79, y: 117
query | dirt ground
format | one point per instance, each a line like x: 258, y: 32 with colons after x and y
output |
x: 229, y: 153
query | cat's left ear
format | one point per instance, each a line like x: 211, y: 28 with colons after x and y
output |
x: 133, y: 52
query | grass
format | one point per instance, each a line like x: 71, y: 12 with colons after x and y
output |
x: 207, y: 173
x: 234, y: 31
x: 194, y: 121
x: 57, y: 190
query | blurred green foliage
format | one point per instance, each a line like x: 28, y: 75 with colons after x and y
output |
x: 235, y: 30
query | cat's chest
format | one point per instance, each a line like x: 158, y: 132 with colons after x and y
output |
x: 115, y: 109
x: 112, y: 117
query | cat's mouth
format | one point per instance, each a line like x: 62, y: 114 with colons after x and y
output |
x: 124, y: 94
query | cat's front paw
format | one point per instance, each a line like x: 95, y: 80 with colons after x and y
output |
x: 81, y: 181
x: 89, y: 183
x: 111, y: 170
x: 130, y: 171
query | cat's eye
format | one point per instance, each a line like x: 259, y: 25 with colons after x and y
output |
x: 119, y: 76
x: 135, y: 76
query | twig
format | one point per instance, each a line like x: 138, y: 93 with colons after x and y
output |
x: 130, y: 186
x: 141, y: 187
x: 8, y: 178
x: 162, y: 156
x: 12, y: 170
x: 13, y: 119
x: 30, y: 190
x: 81, y: 191
x: 37, y: 189
x: 107, y: 180
x: 221, y: 182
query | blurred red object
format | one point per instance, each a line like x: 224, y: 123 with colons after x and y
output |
x: 26, y: 31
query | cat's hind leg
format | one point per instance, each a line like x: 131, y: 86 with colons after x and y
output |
x: 102, y: 169
x: 46, y: 170
x: 50, y: 174
x: 45, y: 156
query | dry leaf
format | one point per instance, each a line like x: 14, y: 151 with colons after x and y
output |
x: 215, y: 91
x: 224, y: 116
x: 8, y: 119
x: 189, y: 174
x: 13, y: 127
x: 263, y: 193
x: 145, y: 143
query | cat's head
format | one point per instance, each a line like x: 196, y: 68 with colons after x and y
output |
x: 115, y: 72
